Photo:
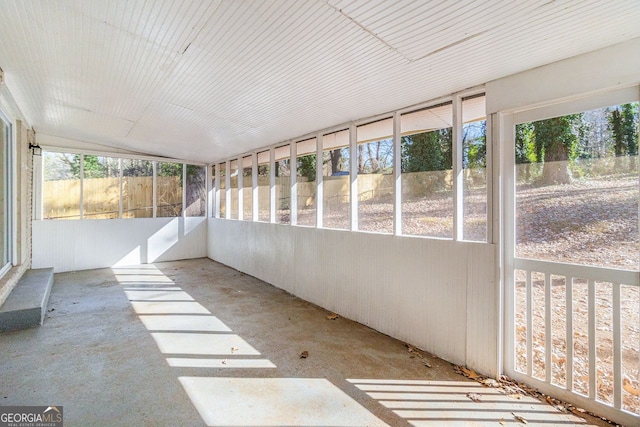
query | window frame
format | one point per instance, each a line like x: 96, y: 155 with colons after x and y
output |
x: 8, y: 190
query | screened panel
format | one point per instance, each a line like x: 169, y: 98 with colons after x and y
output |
x: 101, y: 187
x: 196, y: 191
x: 427, y: 176
x: 61, y: 186
x: 137, y: 188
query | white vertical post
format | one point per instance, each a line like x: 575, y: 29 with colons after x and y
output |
x: 569, y: 332
x: 184, y: 190
x: 353, y: 177
x: 397, y: 174
x: 529, y: 308
x: 216, y: 207
x: 120, y: 186
x: 504, y: 228
x: 458, y: 177
x: 240, y: 176
x: 81, y: 186
x: 617, y: 348
x: 254, y: 186
x: 492, y: 211
x: 293, y: 201
x: 227, y: 193
x: 548, y: 348
x: 591, y: 312
x: 319, y: 181
x: 154, y: 189
x: 272, y: 185
x: 208, y: 177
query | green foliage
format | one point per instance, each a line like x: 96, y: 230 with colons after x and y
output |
x: 525, y: 144
x: 307, y: 167
x: 169, y: 169
x: 623, y: 122
x: 428, y: 151
x: 474, y: 143
x: 555, y: 138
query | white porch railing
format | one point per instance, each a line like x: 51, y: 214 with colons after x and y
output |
x: 548, y: 327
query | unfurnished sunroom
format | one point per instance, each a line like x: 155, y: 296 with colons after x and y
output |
x: 460, y: 176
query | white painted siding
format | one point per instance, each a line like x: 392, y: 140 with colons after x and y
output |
x: 436, y: 294
x: 87, y: 244
x: 615, y: 67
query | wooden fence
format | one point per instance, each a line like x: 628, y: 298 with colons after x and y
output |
x: 61, y: 199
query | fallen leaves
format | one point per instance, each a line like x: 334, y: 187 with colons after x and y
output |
x: 304, y: 354
x: 519, y: 418
x: 469, y: 373
x: 629, y: 387
x: 474, y: 396
x: 415, y: 353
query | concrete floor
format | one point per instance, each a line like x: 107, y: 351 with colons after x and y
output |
x: 194, y: 343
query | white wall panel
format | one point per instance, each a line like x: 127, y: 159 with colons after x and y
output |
x: 436, y: 294
x: 87, y: 244
x: 614, y: 67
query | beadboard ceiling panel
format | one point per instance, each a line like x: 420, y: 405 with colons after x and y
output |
x: 205, y: 80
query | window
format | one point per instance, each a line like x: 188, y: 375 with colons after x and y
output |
x: 306, y: 181
x: 283, y: 185
x: 61, y: 192
x: 264, y: 187
x: 335, y: 181
x: 247, y: 188
x: 101, y: 187
x: 168, y: 189
x: 233, y: 188
x: 5, y: 194
x: 137, y: 188
x: 196, y: 190
x: 474, y: 164
x: 427, y: 177
x: 213, y: 189
x: 375, y: 176
x: 577, y: 188
x: 223, y: 190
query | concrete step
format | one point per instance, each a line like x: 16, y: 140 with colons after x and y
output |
x: 27, y: 303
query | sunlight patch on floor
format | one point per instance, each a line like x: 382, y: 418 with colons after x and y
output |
x: 188, y: 362
x: 460, y: 403
x: 158, y: 295
x: 275, y: 402
x: 172, y: 307
x: 203, y: 344
x: 179, y: 322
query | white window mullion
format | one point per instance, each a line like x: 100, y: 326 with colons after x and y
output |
x: 184, y: 190
x: 120, y: 204
x: 227, y: 193
x: 458, y: 177
x: 154, y: 181
x: 254, y: 187
x: 208, y: 177
x: 272, y: 185
x: 239, y: 178
x: 353, y: 177
x: 319, y: 181
x: 293, y: 198
x: 397, y: 175
x: 81, y: 186
x: 216, y: 209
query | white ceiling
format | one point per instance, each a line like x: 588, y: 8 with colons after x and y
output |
x: 204, y: 80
